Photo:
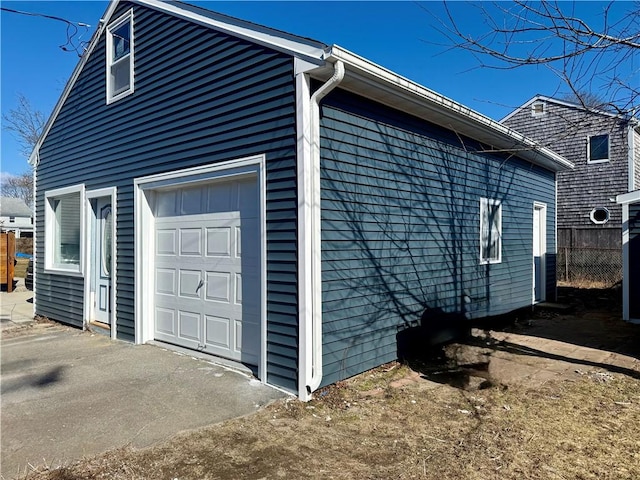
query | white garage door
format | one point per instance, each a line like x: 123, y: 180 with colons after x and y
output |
x: 207, y: 268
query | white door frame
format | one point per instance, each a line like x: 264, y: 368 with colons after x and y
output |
x: 542, y: 207
x: 112, y: 193
x: 144, y: 226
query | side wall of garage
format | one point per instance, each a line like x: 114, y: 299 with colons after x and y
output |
x: 201, y: 97
x: 400, y: 230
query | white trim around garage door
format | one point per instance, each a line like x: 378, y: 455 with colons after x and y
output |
x: 144, y: 188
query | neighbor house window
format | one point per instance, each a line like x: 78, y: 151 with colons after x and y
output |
x: 12, y: 219
x: 490, y: 231
x: 120, y: 58
x: 63, y: 229
x: 537, y: 109
x: 598, y: 148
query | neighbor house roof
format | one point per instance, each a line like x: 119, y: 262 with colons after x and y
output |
x: 577, y: 106
x: 361, y: 76
x: 14, y: 207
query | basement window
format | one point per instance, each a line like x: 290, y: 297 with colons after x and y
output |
x: 599, y: 215
x: 598, y: 148
x: 120, y: 58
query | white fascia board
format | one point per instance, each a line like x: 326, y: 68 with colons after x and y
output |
x: 471, y: 123
x: 306, y: 49
x: 35, y: 154
x: 631, y: 197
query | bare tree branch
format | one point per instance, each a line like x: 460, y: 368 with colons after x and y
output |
x: 26, y: 123
x: 18, y: 186
x: 587, y: 58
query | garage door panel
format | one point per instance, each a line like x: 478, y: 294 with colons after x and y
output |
x: 166, y: 281
x: 166, y: 241
x: 189, y: 325
x: 218, y: 242
x: 190, y: 283
x: 217, y: 331
x: 165, y: 321
x: 207, y: 267
x: 191, y: 242
x: 218, y: 287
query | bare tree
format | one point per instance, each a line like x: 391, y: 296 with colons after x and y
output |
x: 18, y: 186
x: 599, y: 58
x: 26, y: 123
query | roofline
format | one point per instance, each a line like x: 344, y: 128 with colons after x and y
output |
x: 464, y: 119
x: 544, y: 98
x: 459, y: 115
x: 309, y: 50
x: 630, y: 197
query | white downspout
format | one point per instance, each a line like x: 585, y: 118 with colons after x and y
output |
x: 315, y: 366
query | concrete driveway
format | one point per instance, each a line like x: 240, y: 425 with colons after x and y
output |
x: 68, y: 394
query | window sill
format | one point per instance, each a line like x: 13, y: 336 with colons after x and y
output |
x: 490, y: 262
x: 69, y: 272
x: 592, y: 162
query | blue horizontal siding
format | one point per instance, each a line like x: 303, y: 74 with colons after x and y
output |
x: 400, y: 229
x: 201, y: 97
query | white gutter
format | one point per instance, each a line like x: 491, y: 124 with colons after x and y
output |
x: 314, y: 367
x: 368, y: 72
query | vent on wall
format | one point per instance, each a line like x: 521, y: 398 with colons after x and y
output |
x: 599, y: 215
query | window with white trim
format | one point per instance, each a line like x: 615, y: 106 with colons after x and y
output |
x: 120, y: 58
x: 598, y: 148
x: 537, y: 109
x: 63, y: 229
x: 490, y: 231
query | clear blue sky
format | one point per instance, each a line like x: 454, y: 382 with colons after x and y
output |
x: 401, y: 36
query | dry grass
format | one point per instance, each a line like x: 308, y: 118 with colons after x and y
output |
x: 392, y: 423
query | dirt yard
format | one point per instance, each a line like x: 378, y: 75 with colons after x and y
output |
x: 555, y: 395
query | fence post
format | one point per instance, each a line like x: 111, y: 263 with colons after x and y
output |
x: 566, y: 264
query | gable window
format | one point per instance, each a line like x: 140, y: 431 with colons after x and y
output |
x: 537, y: 109
x: 490, y: 231
x: 598, y: 149
x: 120, y: 58
x: 63, y: 230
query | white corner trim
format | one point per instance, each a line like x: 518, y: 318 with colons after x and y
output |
x: 144, y: 241
x: 625, y: 262
x: 631, y: 129
x: 305, y: 280
x: 112, y: 193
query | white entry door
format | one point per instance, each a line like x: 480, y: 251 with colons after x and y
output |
x: 207, y: 269
x: 102, y: 263
x: 539, y: 252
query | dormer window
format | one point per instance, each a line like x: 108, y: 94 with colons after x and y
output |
x: 120, y: 58
x: 537, y: 109
x: 598, y: 148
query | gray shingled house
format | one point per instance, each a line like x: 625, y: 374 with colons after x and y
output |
x: 16, y: 216
x: 605, y: 149
x: 223, y: 187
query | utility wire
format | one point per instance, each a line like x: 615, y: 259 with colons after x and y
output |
x: 72, y: 44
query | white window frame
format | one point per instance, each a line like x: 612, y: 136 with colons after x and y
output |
x: 601, y: 160
x: 127, y: 17
x: 535, y: 113
x: 75, y: 270
x: 593, y: 213
x: 484, y: 208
